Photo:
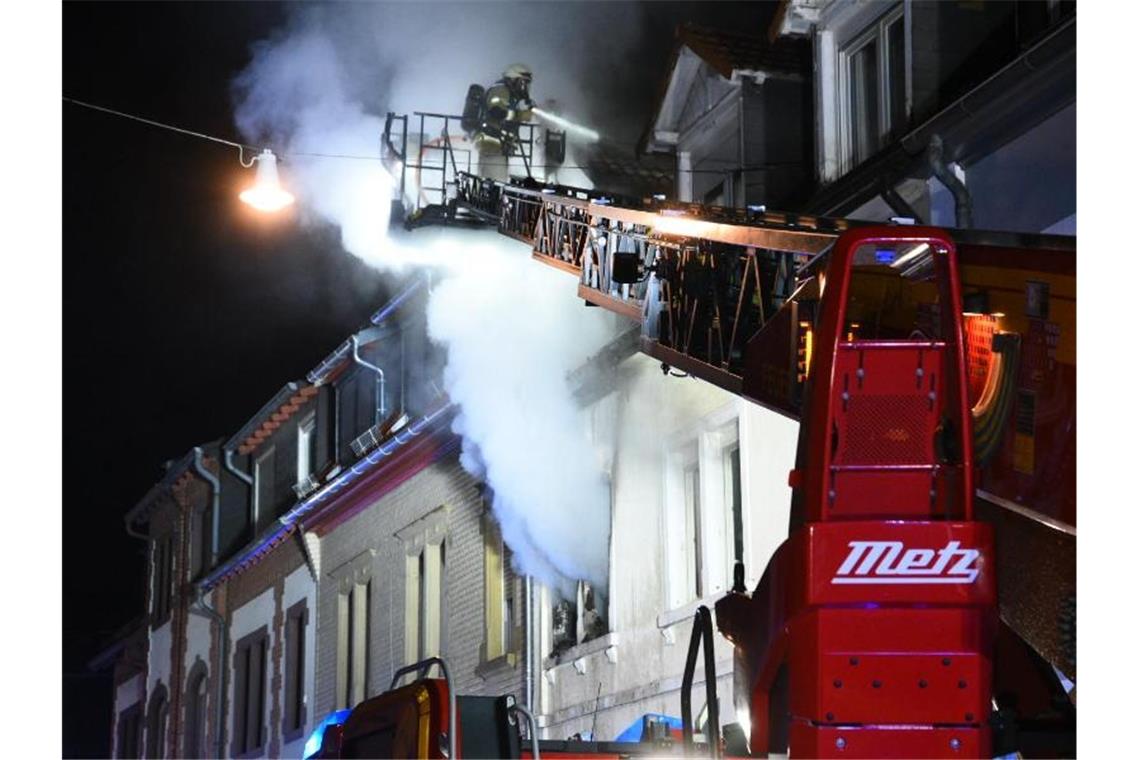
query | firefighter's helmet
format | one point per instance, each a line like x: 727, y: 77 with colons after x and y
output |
x: 519, y: 71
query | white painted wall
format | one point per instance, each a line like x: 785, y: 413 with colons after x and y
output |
x: 299, y: 586
x: 606, y: 684
x: 158, y: 668
x: 130, y: 692
x: 246, y: 619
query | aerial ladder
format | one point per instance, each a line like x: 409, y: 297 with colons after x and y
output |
x: 880, y: 627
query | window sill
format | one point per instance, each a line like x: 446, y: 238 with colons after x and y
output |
x: 490, y: 668
x: 593, y: 646
x: 687, y: 611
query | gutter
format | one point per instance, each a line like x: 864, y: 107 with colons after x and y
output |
x: 387, y: 309
x: 324, y: 371
x: 291, y: 521
x: 988, y: 103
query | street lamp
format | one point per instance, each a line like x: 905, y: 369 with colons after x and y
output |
x: 266, y: 193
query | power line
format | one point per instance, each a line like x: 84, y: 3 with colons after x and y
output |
x: 602, y: 165
x: 153, y: 123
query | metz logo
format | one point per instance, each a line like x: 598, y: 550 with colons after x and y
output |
x: 886, y: 562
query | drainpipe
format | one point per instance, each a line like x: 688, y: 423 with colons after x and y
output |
x: 381, y: 410
x: 216, y: 488
x: 963, y: 207
x: 201, y: 608
x: 528, y: 670
x: 228, y: 460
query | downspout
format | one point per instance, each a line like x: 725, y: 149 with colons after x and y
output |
x: 216, y: 488
x: 963, y: 206
x: 528, y: 670
x: 201, y: 608
x: 381, y: 410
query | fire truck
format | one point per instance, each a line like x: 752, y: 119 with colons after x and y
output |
x: 923, y: 603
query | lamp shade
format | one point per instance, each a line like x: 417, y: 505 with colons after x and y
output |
x: 266, y: 193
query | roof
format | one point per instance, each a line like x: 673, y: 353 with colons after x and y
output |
x: 726, y: 51
x: 624, y: 173
x: 330, y: 496
x: 284, y: 404
x: 175, y: 470
x: 331, y: 365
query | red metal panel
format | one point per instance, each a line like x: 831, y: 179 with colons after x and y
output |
x: 889, y: 741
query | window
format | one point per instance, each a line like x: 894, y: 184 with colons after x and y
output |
x: 196, y: 743
x: 296, y: 620
x: 263, y: 489
x: 306, y: 448
x: 162, y: 552
x: 578, y: 620
x: 249, y: 693
x: 704, y: 512
x: 499, y: 612
x: 425, y: 602
x: 129, y: 734
x: 352, y: 643
x: 872, y: 75
x: 156, y: 721
x: 733, y: 497
x: 694, y: 588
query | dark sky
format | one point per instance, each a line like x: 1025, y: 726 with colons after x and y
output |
x: 184, y: 312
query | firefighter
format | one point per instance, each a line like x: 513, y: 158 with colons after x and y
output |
x: 491, y: 116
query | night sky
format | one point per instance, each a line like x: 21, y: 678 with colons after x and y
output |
x: 183, y: 311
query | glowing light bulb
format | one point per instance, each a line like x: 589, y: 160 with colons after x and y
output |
x: 266, y: 193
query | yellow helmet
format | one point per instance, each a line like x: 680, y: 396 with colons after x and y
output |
x: 518, y: 71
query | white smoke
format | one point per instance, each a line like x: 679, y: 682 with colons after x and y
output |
x: 513, y: 329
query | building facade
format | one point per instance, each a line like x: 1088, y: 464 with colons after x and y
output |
x: 699, y: 483
x: 953, y: 113
x: 296, y: 566
x: 335, y: 538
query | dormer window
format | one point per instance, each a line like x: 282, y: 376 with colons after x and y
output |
x: 306, y: 447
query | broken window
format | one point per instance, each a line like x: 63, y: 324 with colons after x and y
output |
x: 578, y: 620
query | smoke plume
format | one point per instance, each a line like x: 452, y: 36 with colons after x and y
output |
x: 513, y: 329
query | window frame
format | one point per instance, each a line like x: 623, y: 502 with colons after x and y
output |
x: 157, y: 722
x: 295, y: 706
x: 255, y: 643
x: 162, y: 595
x: 196, y: 732
x: 306, y: 445
x: 876, y: 32
x: 704, y: 538
x: 129, y: 732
